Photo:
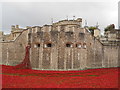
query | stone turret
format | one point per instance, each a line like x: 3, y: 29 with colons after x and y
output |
x: 12, y: 27
x: 79, y: 20
x: 17, y: 26
x: 1, y: 36
x: 69, y: 22
x: 15, y: 31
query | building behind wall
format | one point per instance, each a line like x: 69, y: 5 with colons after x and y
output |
x: 64, y: 45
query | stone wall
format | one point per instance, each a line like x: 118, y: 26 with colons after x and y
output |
x: 13, y: 52
x: 63, y: 47
x: 0, y: 53
x: 111, y: 56
x: 119, y: 55
x: 58, y: 56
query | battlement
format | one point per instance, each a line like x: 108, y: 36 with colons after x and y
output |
x: 69, y: 22
x: 16, y: 29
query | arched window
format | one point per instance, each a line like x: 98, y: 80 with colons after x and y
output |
x: 48, y: 45
x: 69, y: 45
x: 37, y: 45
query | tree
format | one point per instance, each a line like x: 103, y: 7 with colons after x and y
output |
x: 91, y: 28
x: 109, y: 27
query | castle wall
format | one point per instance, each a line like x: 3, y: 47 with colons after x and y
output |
x: 0, y: 53
x: 111, y: 56
x: 94, y: 52
x: 58, y: 56
x: 60, y: 47
x: 13, y: 52
x: 1, y: 38
x: 119, y: 55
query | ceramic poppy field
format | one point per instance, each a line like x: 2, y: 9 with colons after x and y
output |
x: 28, y: 78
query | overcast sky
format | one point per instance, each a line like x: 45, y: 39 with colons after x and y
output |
x: 40, y: 13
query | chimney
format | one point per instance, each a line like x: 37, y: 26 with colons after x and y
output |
x: 17, y: 26
x: 12, y: 27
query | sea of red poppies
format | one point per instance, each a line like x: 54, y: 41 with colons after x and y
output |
x: 28, y: 78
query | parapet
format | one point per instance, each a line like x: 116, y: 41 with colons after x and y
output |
x: 79, y: 19
x: 15, y: 28
x: 69, y: 22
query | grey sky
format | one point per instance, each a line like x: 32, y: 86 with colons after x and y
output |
x: 40, y: 13
x: 119, y: 15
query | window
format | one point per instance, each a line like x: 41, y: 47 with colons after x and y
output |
x: 68, y: 45
x: 48, y: 45
x: 69, y: 33
x: 81, y: 35
x: 37, y: 45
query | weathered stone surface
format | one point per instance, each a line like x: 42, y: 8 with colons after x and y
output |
x: 65, y: 45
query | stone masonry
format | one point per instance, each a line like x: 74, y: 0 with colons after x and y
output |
x: 64, y: 45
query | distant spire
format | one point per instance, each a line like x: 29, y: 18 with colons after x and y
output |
x: 85, y: 22
x: 67, y: 17
x: 51, y: 20
x: 74, y: 17
x: 97, y: 25
x: 86, y: 26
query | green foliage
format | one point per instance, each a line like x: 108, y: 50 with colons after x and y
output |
x: 109, y: 28
x: 91, y: 28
